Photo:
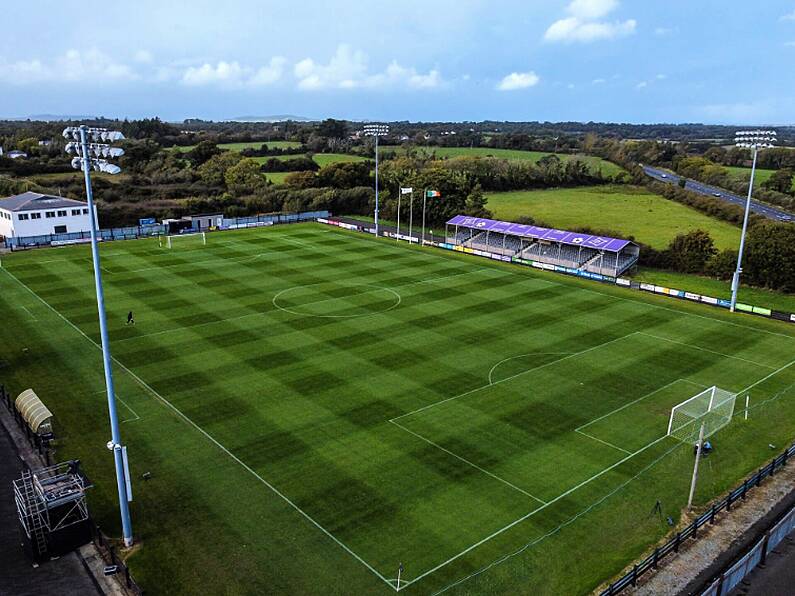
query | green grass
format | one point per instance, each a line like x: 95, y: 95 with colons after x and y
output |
x: 717, y: 288
x: 408, y: 406
x: 277, y: 177
x: 632, y: 211
x: 250, y: 145
x: 322, y: 159
x: 608, y: 168
x: 744, y: 174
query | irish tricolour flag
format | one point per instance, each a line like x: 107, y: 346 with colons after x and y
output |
x: 432, y: 194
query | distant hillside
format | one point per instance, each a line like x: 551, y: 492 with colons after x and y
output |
x: 276, y: 118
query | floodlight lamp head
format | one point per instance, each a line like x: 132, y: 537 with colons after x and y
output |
x: 77, y: 163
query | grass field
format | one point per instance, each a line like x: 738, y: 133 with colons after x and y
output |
x: 316, y: 406
x: 608, y: 168
x: 277, y: 177
x: 633, y: 211
x: 717, y: 288
x: 251, y: 145
x: 762, y: 175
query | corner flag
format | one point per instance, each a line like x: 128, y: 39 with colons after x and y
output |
x: 432, y: 194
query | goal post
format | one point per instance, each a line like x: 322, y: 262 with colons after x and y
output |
x: 713, y: 408
x: 196, y: 237
x: 696, y: 419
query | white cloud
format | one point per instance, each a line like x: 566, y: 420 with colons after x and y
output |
x: 73, y: 66
x: 231, y: 75
x: 347, y: 69
x: 143, y: 57
x: 591, y: 9
x: 267, y: 75
x: 598, y: 82
x: 790, y: 16
x: 518, y: 80
x: 582, y: 24
x: 661, y: 77
x: 789, y: 44
x: 642, y: 85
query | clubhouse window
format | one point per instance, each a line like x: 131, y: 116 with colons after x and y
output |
x: 23, y: 216
x: 35, y: 216
x: 50, y: 214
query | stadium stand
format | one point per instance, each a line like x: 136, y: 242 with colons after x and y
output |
x: 584, y: 252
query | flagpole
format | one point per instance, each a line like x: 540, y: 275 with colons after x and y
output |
x: 400, y: 569
x: 424, y: 196
x: 411, y: 212
x: 400, y: 194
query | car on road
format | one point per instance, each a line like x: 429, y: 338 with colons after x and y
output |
x: 715, y: 194
x: 664, y: 175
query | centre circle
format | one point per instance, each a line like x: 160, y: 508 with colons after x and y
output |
x: 336, y: 300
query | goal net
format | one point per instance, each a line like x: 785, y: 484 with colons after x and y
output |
x: 712, y: 407
x: 198, y: 238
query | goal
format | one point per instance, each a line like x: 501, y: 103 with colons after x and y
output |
x: 713, y: 408
x: 186, y: 239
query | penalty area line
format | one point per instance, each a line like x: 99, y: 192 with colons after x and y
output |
x: 532, y: 513
x: 469, y: 463
x: 209, y: 437
x: 602, y: 442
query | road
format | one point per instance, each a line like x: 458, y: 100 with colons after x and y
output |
x: 714, y: 191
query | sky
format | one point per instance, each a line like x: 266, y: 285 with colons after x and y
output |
x: 643, y: 61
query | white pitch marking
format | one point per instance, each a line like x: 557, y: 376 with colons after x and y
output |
x: 519, y: 374
x: 694, y: 347
x: 466, y: 461
x: 493, y: 368
x: 640, y: 399
x: 532, y: 513
x: 601, y: 441
x: 208, y: 436
x: 25, y: 308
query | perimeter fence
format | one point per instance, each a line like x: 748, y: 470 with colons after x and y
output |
x: 136, y: 232
x: 652, y: 561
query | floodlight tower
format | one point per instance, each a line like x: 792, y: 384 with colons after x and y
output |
x: 755, y: 140
x: 376, y: 130
x: 90, y: 155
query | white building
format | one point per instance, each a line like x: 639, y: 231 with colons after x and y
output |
x: 35, y: 214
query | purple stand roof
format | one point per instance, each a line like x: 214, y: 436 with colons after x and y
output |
x: 538, y: 233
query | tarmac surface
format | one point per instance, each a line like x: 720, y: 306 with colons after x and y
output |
x: 18, y: 577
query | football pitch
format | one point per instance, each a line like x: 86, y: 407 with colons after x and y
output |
x: 317, y: 408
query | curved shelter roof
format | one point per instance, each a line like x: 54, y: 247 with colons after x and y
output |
x: 538, y: 233
x: 33, y: 410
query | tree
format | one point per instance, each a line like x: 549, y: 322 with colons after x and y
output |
x: 244, y: 177
x: 690, y: 252
x: 780, y: 181
x: 332, y: 129
x: 475, y: 204
x: 722, y: 265
x: 770, y: 256
x: 345, y: 174
x: 202, y: 152
x: 213, y: 171
x: 300, y: 180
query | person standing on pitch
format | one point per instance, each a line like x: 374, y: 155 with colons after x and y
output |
x: 130, y: 319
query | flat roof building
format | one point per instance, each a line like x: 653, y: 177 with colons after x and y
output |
x: 36, y: 214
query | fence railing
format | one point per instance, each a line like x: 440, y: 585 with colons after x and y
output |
x: 691, y: 531
x: 135, y: 232
x: 756, y: 555
x: 118, y: 567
